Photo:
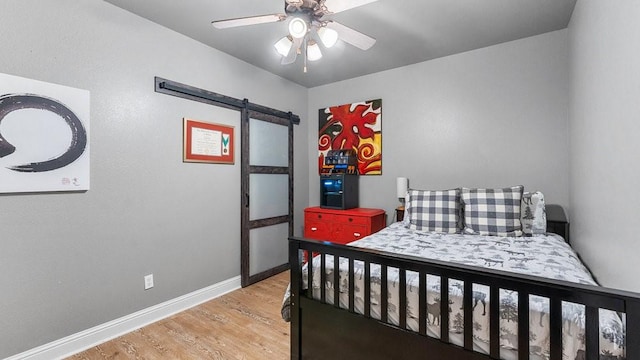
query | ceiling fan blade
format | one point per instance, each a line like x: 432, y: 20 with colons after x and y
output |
x: 293, y: 52
x: 336, y: 6
x: 351, y: 36
x: 250, y: 20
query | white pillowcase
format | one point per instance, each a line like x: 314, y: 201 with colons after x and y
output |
x: 533, y: 214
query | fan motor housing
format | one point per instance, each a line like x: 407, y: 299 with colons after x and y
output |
x: 312, y: 8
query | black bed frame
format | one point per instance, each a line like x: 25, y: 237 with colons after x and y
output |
x: 324, y: 331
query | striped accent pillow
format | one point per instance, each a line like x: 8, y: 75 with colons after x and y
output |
x: 434, y: 210
x: 492, y: 211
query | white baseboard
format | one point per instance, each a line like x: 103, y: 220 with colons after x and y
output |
x: 86, y: 339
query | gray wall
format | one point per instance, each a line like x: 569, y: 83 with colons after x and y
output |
x: 72, y: 261
x: 605, y: 123
x: 492, y: 117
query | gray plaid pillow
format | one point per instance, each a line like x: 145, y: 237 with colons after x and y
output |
x: 434, y: 210
x: 492, y: 211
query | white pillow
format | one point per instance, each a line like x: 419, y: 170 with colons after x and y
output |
x: 533, y: 214
x: 407, y: 213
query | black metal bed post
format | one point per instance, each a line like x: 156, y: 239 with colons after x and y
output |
x: 633, y: 329
x: 294, y: 296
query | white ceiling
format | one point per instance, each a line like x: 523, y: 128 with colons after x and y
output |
x: 407, y: 31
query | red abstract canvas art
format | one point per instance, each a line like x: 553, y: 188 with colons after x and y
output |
x: 356, y: 126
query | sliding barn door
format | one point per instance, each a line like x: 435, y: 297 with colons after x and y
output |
x: 267, y: 194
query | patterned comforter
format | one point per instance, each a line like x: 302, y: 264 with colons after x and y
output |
x: 542, y: 255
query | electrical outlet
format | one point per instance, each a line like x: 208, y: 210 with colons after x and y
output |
x: 148, y: 281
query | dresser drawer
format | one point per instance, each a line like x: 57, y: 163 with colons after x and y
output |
x: 353, y: 220
x: 347, y: 233
x: 317, y: 230
x: 316, y: 216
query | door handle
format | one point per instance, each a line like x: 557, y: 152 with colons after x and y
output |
x: 314, y: 229
x: 356, y: 234
x: 246, y: 204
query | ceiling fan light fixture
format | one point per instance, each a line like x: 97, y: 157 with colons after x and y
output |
x: 298, y: 27
x: 307, y: 28
x: 313, y: 51
x: 283, y: 46
x: 329, y: 37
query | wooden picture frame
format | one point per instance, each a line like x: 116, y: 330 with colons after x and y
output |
x: 206, y: 142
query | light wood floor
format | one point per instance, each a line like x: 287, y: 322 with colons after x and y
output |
x: 244, y: 324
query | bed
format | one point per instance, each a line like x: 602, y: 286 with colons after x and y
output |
x: 456, y: 294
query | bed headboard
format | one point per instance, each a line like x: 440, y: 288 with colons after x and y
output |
x: 557, y: 222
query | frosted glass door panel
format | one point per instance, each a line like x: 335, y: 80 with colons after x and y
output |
x: 268, y: 247
x: 268, y: 144
x: 269, y: 195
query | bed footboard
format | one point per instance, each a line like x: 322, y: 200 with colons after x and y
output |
x: 322, y: 329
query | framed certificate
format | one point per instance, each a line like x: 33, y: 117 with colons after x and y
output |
x: 208, y: 142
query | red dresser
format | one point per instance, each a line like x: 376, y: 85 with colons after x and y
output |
x: 342, y: 226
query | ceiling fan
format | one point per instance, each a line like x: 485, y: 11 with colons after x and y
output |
x: 308, y: 25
